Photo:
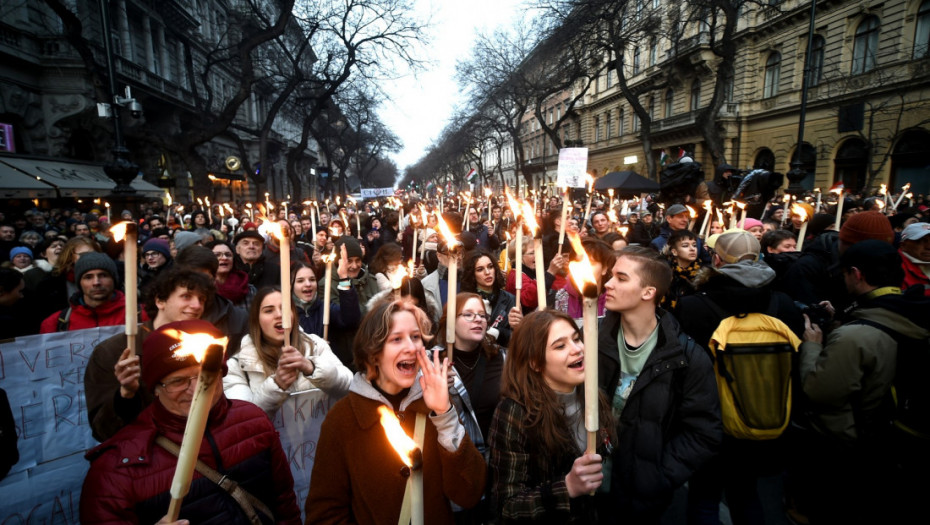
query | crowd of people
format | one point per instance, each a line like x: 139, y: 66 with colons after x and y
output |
x: 501, y: 424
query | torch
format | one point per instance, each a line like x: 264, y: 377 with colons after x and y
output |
x: 209, y: 211
x: 784, y: 213
x: 424, y: 217
x: 129, y: 231
x: 397, y: 279
x: 538, y: 249
x: 564, y: 217
x: 693, y: 213
x: 587, y: 209
x: 487, y: 194
x: 708, y: 204
x: 742, y: 212
x: 904, y: 191
x: 452, y: 279
x: 731, y: 212
x: 819, y: 195
x: 282, y: 233
x: 518, y: 256
x: 583, y: 275
x: 411, y: 511
x: 883, y: 191
x: 802, y: 213
x: 839, y: 208
x: 327, y: 291
x: 209, y: 352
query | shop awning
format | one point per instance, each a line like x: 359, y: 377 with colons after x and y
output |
x: 21, y: 177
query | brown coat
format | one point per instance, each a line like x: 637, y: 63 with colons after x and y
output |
x: 357, y: 476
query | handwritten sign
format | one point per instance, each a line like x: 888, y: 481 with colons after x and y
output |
x: 43, y: 376
x: 573, y: 164
x: 374, y: 193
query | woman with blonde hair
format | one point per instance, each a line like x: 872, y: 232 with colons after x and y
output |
x: 268, y: 369
x: 53, y: 292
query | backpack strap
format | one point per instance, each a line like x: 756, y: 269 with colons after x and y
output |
x: 64, y: 320
x: 246, y: 501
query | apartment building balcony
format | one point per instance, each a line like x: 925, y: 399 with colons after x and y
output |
x: 178, y: 14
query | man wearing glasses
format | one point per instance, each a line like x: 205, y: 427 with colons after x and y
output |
x: 112, y: 387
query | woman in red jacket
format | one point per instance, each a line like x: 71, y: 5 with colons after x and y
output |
x: 130, y: 475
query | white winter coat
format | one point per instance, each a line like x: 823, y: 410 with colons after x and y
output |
x: 247, y: 381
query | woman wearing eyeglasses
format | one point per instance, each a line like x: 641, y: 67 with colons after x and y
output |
x: 267, y: 369
x: 231, y: 282
x: 476, y: 384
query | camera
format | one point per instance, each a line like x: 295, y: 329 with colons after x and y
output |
x: 818, y: 315
x: 135, y: 109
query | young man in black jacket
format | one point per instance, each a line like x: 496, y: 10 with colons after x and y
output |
x: 662, y: 389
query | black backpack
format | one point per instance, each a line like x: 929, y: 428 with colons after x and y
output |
x: 910, y: 390
x: 680, y: 180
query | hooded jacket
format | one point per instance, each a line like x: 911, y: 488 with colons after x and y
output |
x: 343, y: 314
x: 130, y: 476
x: 358, y: 478
x: 744, y: 287
x: 248, y: 381
x: 848, y: 378
x: 670, y: 425
x: 110, y: 313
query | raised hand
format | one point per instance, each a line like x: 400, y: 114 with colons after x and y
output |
x: 127, y: 372
x: 434, y: 381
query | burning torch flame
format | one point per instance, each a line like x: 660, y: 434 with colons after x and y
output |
x: 397, y: 276
x: 487, y: 192
x: 446, y: 233
x: 200, y: 201
x: 883, y: 190
x: 612, y: 216
x: 514, y: 205
x: 740, y: 205
x: 119, y: 230
x: 581, y: 271
x: 707, y: 204
x: 194, y: 345
x: 402, y: 443
x: 529, y: 217
x: 692, y: 211
x: 590, y: 180
x: 274, y: 228
x: 800, y: 212
x: 329, y: 257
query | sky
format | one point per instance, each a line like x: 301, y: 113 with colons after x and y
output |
x: 421, y: 106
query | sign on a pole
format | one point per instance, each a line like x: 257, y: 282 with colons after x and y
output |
x: 374, y: 193
x: 573, y: 165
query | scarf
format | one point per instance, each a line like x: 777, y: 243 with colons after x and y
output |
x: 236, y: 286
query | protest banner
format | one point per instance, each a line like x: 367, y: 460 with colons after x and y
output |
x: 374, y: 193
x: 573, y: 165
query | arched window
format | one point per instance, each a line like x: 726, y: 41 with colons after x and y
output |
x: 922, y: 34
x: 772, y: 75
x: 651, y: 108
x: 765, y: 160
x: 815, y: 68
x: 865, y: 46
x: 695, y: 95
x: 653, y: 51
x: 669, y: 103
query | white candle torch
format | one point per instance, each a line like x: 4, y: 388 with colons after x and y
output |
x: 282, y: 233
x: 531, y: 223
x: 107, y: 204
x: 587, y: 209
x: 517, y: 211
x: 839, y: 207
x: 453, y: 275
x: 209, y: 352
x: 209, y: 211
x: 564, y: 218
x: 487, y: 195
x: 327, y: 291
x: 582, y: 273
x: 410, y: 454
x: 802, y: 214
x: 819, y: 195
x: 784, y: 213
x: 128, y: 231
x: 424, y: 217
x: 904, y: 191
x: 267, y: 204
x: 742, y: 213
x: 731, y: 212
x: 708, y: 204
x: 883, y: 191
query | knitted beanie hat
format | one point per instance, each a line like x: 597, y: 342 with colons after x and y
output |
x: 866, y: 225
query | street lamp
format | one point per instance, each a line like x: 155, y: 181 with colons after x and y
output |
x: 797, y: 173
x: 120, y: 169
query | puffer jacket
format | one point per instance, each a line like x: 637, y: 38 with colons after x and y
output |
x: 670, y: 425
x: 848, y: 378
x: 130, y: 475
x: 248, y: 381
x: 110, y: 313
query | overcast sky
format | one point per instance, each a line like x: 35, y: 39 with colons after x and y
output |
x: 421, y: 106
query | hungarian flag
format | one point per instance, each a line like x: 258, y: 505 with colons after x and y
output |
x: 663, y: 158
x: 681, y: 152
x: 837, y: 188
x: 471, y: 176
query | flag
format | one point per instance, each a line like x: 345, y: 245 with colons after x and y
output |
x: 838, y: 187
x: 681, y: 152
x: 663, y: 158
x: 472, y: 176
x: 430, y: 187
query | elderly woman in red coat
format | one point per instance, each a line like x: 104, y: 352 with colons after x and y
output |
x: 357, y: 476
x: 130, y: 475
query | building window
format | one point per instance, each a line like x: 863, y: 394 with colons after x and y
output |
x: 651, y: 108
x: 636, y: 60
x: 695, y: 95
x: 620, y: 123
x: 653, y: 52
x: 922, y: 35
x: 597, y: 129
x: 656, y: 4
x: 865, y: 46
x: 610, y: 125
x: 635, y: 122
x: 551, y: 115
x: 669, y: 103
x: 772, y: 75
x: 815, y: 69
x: 610, y: 78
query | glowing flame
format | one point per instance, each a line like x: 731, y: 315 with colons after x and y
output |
x: 800, y: 212
x: 740, y: 205
x: 170, y: 200
x: 402, y: 443
x: 906, y: 187
x: 881, y: 204
x: 274, y: 228
x: 424, y: 215
x: 446, y: 233
x: 514, y: 205
x: 248, y: 205
x: 529, y: 217
x: 707, y: 204
x: 329, y: 257
x: 119, y: 230
x: 623, y: 230
x: 612, y: 215
x: 487, y: 192
x: 194, y: 345
x: 229, y: 208
x: 581, y: 271
x: 397, y: 276
x: 590, y: 180
x: 909, y: 195
x: 207, y: 200
x: 787, y: 197
x: 719, y: 216
x: 200, y: 201
x: 691, y: 211
x: 883, y: 190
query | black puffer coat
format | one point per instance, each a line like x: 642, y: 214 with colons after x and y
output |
x: 670, y: 425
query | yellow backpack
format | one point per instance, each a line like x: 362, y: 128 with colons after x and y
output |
x: 753, y: 360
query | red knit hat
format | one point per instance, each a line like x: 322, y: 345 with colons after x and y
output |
x: 866, y: 225
x: 159, y: 357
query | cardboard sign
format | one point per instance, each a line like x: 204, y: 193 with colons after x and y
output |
x: 573, y: 165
